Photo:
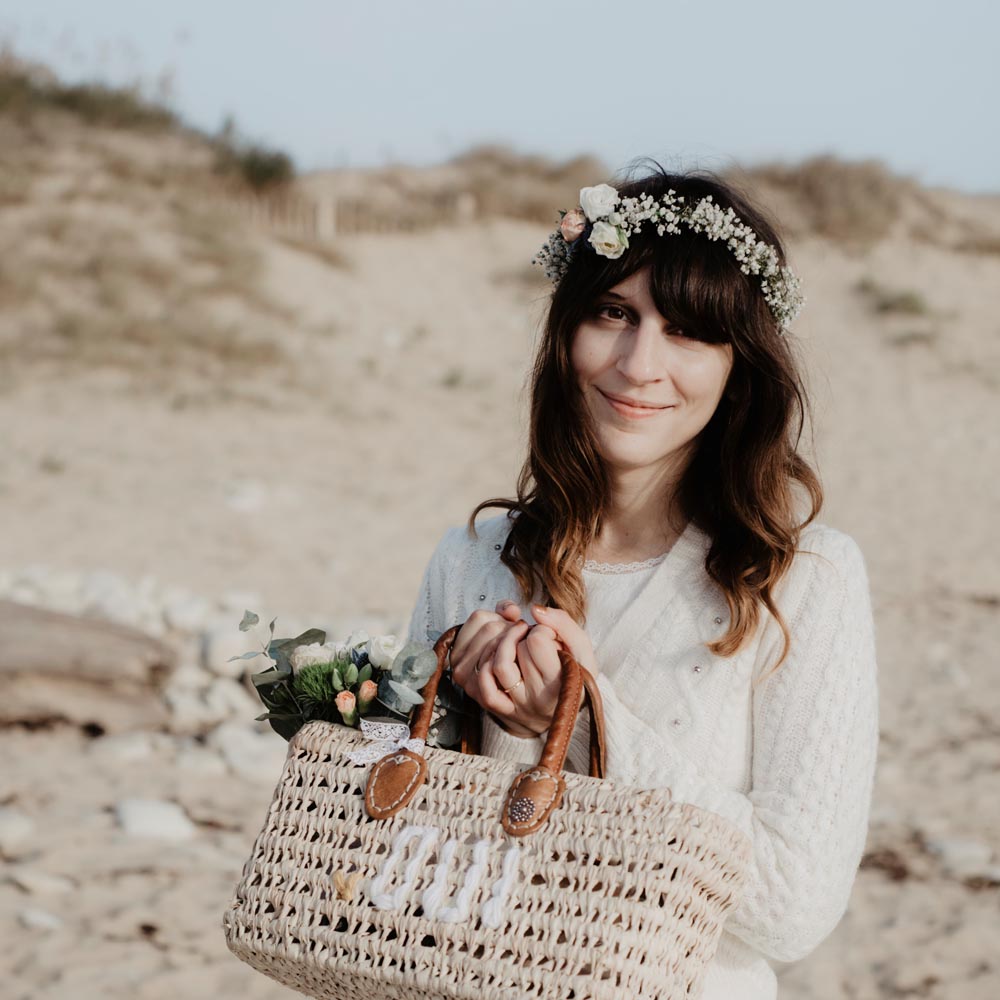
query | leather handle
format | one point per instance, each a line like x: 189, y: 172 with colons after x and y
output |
x: 537, y: 790
x: 564, y: 719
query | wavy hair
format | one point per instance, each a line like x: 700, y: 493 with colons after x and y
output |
x: 740, y: 481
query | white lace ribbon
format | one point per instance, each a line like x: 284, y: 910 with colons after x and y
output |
x: 384, y: 738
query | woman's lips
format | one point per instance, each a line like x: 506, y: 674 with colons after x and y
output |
x: 633, y: 412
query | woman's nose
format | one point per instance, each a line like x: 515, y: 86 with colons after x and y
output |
x: 640, y: 360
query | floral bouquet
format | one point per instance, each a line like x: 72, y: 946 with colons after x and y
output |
x: 344, y: 682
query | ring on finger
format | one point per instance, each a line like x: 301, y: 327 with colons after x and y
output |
x: 513, y: 687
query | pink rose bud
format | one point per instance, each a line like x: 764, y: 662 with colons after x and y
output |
x: 347, y: 706
x: 366, y: 695
x: 573, y: 224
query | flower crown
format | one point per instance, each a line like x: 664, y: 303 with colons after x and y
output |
x: 611, y: 219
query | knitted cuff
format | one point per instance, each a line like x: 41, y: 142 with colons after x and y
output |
x: 497, y: 742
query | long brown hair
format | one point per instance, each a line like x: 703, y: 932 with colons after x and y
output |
x: 739, y: 485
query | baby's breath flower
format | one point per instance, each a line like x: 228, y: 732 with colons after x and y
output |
x: 623, y: 217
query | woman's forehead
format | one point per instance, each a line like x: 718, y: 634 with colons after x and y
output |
x: 633, y: 285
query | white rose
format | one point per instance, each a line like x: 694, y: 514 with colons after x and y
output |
x: 304, y: 656
x: 598, y: 201
x: 359, y: 637
x: 607, y: 240
x: 382, y: 650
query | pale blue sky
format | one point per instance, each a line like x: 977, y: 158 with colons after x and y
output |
x: 914, y: 83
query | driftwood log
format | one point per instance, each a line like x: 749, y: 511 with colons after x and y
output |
x: 60, y: 667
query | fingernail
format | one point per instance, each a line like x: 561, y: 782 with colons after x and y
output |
x: 537, y: 609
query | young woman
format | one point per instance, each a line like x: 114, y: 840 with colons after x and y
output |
x: 665, y: 530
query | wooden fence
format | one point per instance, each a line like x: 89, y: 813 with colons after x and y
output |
x: 322, y: 219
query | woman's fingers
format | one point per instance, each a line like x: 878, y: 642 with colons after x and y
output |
x: 492, y: 680
x: 508, y: 610
x: 573, y: 636
x: 504, y: 661
x: 538, y: 654
x: 465, y: 655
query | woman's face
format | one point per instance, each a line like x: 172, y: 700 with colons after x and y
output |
x: 626, y: 353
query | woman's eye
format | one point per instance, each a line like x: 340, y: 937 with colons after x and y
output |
x: 609, y: 309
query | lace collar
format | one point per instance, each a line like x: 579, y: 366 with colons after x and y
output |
x: 592, y: 566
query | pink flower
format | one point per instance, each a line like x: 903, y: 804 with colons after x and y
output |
x: 573, y: 224
x: 366, y: 695
x: 347, y: 706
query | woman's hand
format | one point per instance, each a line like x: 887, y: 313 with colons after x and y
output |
x: 522, y: 659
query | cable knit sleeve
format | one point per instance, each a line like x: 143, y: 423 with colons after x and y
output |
x: 815, y: 743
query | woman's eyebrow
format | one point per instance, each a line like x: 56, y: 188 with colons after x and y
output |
x: 615, y: 295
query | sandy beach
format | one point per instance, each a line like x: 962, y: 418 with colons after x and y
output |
x: 313, y: 421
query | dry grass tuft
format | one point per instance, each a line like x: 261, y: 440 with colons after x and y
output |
x: 851, y: 203
x: 886, y: 301
x: 533, y: 188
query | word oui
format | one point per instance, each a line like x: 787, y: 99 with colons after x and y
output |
x: 434, y: 899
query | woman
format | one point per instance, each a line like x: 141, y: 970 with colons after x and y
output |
x: 665, y: 529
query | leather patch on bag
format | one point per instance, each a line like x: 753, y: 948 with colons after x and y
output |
x: 393, y: 781
x: 532, y: 797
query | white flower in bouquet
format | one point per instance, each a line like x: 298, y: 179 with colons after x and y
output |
x: 382, y: 650
x: 359, y: 637
x: 315, y: 652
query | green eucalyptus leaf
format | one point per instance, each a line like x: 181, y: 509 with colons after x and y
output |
x: 275, y: 675
x: 306, y: 639
x: 249, y: 620
x: 271, y: 627
x: 406, y: 694
x: 414, y: 664
x: 391, y: 700
x: 365, y: 673
x: 246, y: 656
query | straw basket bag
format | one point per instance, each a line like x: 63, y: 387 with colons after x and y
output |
x: 450, y: 875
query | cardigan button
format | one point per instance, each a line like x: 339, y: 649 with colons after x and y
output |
x: 677, y: 722
x: 482, y: 597
x: 498, y: 547
x: 718, y: 620
x: 697, y: 668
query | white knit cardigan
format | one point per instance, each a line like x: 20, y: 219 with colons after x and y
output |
x: 792, y: 762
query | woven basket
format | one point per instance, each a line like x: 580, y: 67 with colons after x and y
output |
x: 449, y: 875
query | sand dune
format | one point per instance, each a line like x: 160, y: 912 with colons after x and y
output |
x: 217, y: 409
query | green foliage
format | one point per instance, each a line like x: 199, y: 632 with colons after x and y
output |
x: 260, y: 167
x: 314, y: 683
x: 24, y: 93
x: 293, y: 698
x: 886, y: 301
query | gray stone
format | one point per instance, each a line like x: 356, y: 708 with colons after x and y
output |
x: 154, y: 818
x: 17, y: 830
x: 187, y: 613
x: 961, y: 857
x: 197, y: 760
x: 39, y: 920
x: 222, y: 640
x: 126, y: 748
x: 235, y: 602
x: 38, y: 883
x: 258, y: 756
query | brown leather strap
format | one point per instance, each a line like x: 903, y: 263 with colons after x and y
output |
x: 538, y: 789
x: 471, y: 741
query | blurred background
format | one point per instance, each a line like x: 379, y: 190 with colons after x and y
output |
x: 266, y: 314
